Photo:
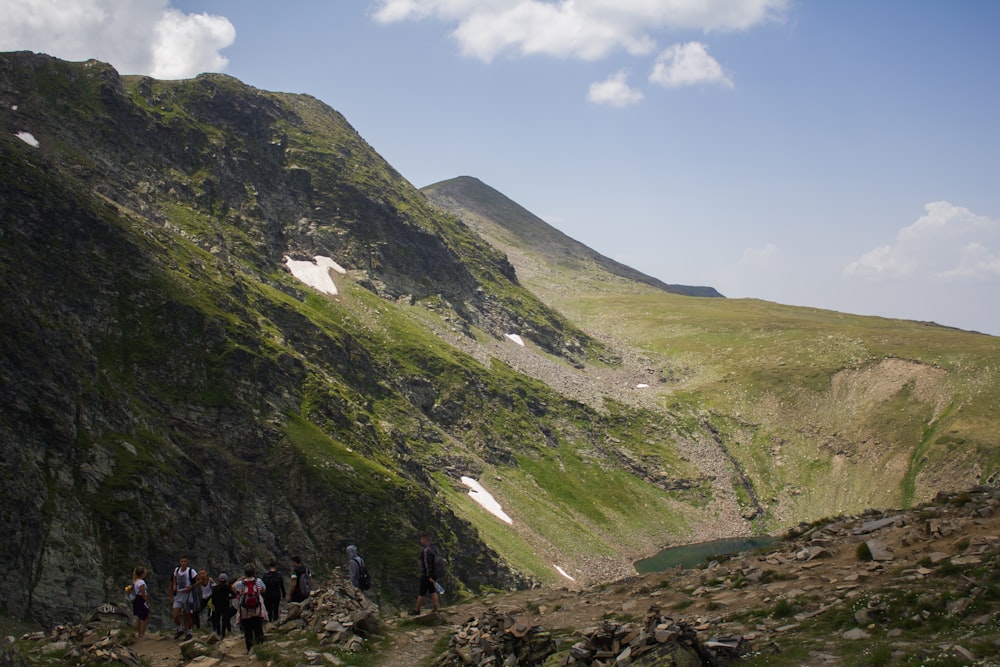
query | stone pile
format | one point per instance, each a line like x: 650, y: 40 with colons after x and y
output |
x: 338, y: 614
x: 660, y: 641
x: 497, y: 639
x: 96, y: 641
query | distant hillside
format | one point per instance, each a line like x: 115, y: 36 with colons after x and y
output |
x: 509, y: 225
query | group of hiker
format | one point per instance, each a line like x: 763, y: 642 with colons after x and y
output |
x: 253, y: 599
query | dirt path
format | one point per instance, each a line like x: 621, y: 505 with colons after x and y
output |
x: 160, y: 649
x: 413, y: 640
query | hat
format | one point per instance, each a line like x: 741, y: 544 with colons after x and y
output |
x: 223, y: 577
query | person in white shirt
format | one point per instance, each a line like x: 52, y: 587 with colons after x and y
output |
x: 140, y: 601
x: 250, y: 593
x: 182, y: 597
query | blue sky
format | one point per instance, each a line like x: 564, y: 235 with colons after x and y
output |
x: 841, y: 155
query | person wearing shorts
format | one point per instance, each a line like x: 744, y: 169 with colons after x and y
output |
x: 140, y: 601
x: 182, y: 583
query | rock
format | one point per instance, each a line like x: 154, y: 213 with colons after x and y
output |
x: 204, y: 661
x: 872, y: 526
x: 855, y: 634
x: 193, y: 648
x: 880, y: 552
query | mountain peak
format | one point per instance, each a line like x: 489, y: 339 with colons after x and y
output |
x: 506, y: 223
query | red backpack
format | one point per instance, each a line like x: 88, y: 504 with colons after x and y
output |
x: 251, y: 596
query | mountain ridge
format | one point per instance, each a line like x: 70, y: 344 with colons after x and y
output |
x: 488, y: 211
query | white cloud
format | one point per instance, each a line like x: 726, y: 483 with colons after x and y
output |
x: 757, y: 259
x: 586, y: 29
x: 188, y: 44
x: 948, y: 242
x: 687, y: 65
x: 614, y: 91
x: 135, y: 36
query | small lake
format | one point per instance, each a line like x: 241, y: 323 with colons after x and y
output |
x: 691, y: 555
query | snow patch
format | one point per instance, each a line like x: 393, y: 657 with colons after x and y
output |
x: 641, y: 386
x: 563, y: 573
x: 517, y: 339
x: 316, y: 274
x: 484, y: 498
x: 28, y: 138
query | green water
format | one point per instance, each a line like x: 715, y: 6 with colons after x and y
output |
x: 691, y: 555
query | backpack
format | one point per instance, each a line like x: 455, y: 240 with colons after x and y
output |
x: 306, y: 583
x: 364, y: 577
x: 189, y: 573
x: 438, y: 565
x: 251, y: 596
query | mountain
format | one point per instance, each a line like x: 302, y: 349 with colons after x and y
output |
x: 173, y: 382
x: 512, y: 228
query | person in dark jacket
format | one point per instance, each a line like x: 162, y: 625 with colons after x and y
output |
x: 275, y: 590
x: 355, y: 563
x: 299, y: 572
x: 222, y: 607
x: 430, y: 569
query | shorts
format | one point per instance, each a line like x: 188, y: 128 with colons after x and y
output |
x: 182, y: 601
x: 139, y: 608
x: 426, y: 586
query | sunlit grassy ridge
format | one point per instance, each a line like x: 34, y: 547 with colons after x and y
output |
x: 822, y: 411
x: 797, y: 389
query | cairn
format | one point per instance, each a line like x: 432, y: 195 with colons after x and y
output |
x: 94, y: 641
x: 497, y: 639
x: 660, y: 640
x: 338, y: 614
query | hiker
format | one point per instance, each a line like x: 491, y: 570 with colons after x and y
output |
x: 222, y: 607
x: 357, y: 564
x: 140, y: 601
x: 275, y: 589
x: 431, y: 569
x: 201, y: 593
x: 250, y: 592
x: 182, y: 598
x: 301, y: 585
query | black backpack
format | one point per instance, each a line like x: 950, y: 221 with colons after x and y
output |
x: 438, y: 565
x: 364, y: 577
x: 305, y: 583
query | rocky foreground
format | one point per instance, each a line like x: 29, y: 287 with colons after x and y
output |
x: 916, y: 587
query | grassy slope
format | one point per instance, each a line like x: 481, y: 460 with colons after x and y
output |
x: 827, y: 412
x: 824, y: 412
